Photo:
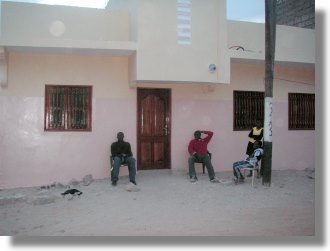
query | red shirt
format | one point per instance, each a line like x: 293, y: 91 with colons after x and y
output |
x: 199, y: 146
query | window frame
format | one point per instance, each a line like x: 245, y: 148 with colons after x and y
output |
x: 305, y: 103
x: 251, y: 118
x: 73, y: 99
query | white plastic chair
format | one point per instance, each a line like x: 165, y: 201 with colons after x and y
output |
x: 255, y: 169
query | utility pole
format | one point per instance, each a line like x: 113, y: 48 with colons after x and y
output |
x: 270, y: 38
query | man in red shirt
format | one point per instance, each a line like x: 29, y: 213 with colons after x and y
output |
x: 198, y: 153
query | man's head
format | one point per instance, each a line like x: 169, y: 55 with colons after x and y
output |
x: 197, y: 134
x: 257, y: 144
x: 120, y: 136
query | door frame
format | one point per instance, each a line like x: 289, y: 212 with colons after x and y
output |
x: 168, y: 161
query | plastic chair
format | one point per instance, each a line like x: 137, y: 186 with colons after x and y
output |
x: 255, y: 169
x: 210, y: 154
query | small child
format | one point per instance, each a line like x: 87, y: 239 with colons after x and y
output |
x: 249, y: 162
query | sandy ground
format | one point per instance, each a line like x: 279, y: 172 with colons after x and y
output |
x: 166, y: 204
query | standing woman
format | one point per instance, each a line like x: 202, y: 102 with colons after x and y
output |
x: 256, y: 134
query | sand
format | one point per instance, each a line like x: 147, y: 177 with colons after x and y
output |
x: 165, y: 203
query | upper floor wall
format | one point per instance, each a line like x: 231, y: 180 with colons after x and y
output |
x: 63, y: 27
x: 164, y: 55
x: 130, y: 6
x: 147, y: 31
x: 293, y: 45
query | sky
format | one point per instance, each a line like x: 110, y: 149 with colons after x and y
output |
x: 242, y: 10
x: 249, y: 11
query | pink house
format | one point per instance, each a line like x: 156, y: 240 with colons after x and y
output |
x: 157, y: 71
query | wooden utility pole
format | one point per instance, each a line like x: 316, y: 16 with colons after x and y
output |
x: 270, y: 38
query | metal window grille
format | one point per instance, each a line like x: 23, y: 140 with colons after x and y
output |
x: 248, y: 108
x: 301, y: 111
x: 68, y: 108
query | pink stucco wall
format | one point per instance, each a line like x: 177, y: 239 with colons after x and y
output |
x: 291, y: 149
x: 31, y: 157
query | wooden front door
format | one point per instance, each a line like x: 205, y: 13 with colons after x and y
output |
x: 153, y: 129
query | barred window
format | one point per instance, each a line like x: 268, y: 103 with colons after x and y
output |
x: 68, y: 108
x: 248, y: 108
x: 301, y: 111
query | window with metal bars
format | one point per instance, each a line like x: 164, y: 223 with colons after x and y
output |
x: 68, y: 108
x: 248, y: 108
x: 301, y: 111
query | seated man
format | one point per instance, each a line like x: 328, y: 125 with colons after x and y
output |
x: 250, y: 162
x: 198, y: 153
x: 122, y: 154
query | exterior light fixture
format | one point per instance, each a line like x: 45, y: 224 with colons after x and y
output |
x: 212, y: 67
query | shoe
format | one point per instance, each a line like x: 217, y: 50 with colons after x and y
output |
x: 133, y: 182
x: 114, y: 183
x: 193, y: 179
x: 215, y: 180
x: 241, y: 180
x: 237, y: 181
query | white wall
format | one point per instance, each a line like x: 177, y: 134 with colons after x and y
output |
x: 149, y: 28
x: 132, y: 6
x: 292, y: 44
x: 34, y: 24
x: 161, y: 58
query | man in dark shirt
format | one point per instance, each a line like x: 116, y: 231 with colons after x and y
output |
x: 198, y: 153
x: 122, y: 154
